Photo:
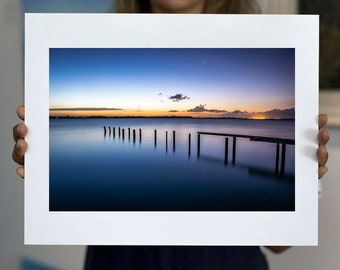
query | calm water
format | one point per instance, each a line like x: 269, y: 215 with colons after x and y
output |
x: 93, y: 172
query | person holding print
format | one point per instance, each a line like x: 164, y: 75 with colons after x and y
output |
x: 183, y: 257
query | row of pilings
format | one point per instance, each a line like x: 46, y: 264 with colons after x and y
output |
x: 136, y: 135
x: 278, y: 141
x: 120, y: 132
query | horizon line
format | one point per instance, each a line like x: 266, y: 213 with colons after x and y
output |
x: 170, y: 116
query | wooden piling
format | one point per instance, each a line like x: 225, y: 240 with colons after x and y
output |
x: 123, y: 133
x: 140, y: 135
x: 104, y: 130
x: 134, y: 135
x: 198, y: 144
x: 129, y: 131
x: 114, y: 132
x: 109, y: 130
x: 119, y: 132
x: 226, y: 150
x: 155, y: 137
x: 283, y: 158
x: 234, y: 149
x: 189, y: 150
x: 166, y: 141
x: 174, y: 140
x: 277, y: 158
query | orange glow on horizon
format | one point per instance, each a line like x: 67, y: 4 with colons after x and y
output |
x: 259, y: 117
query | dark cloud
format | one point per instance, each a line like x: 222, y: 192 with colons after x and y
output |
x: 239, y: 112
x: 275, y: 113
x: 173, y: 111
x: 178, y: 97
x: 201, y: 108
x: 278, y: 113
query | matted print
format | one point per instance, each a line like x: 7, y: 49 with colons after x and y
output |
x: 171, y: 129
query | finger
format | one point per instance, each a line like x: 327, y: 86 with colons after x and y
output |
x: 322, y: 171
x: 21, y: 172
x: 21, y: 112
x: 322, y: 120
x: 19, y: 131
x: 323, y: 136
x: 19, y: 151
x: 322, y: 155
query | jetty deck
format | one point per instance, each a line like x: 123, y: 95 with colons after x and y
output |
x: 279, y: 142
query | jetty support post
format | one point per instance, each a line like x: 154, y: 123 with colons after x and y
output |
x: 234, y: 149
x: 134, y: 135
x: 123, y: 133
x: 129, y: 131
x: 174, y: 140
x: 283, y: 158
x: 166, y: 141
x: 198, y: 144
x: 114, y: 132
x: 155, y: 138
x: 277, y: 158
x: 104, y: 130
x: 225, y: 150
x: 119, y: 132
x: 140, y: 135
x: 189, y: 150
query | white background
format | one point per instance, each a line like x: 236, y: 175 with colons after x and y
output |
x: 11, y: 188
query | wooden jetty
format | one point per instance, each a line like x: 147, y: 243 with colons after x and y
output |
x: 279, y: 142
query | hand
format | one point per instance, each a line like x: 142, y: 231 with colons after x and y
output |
x: 323, y: 137
x: 19, y: 133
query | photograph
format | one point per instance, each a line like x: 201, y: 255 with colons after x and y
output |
x: 171, y: 129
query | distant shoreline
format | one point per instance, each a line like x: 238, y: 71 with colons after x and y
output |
x: 164, y: 117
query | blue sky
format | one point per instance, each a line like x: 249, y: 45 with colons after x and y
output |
x: 173, y: 80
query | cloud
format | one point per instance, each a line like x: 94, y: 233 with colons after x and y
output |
x: 173, y: 111
x: 239, y: 112
x: 201, y: 108
x: 271, y: 114
x: 278, y: 113
x: 178, y: 97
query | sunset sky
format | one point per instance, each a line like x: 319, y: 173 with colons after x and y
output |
x: 250, y: 83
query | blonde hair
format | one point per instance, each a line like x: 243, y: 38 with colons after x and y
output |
x: 211, y: 6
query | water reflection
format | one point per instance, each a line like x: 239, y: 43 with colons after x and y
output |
x: 92, y: 172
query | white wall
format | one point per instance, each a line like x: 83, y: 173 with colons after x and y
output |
x: 11, y: 187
